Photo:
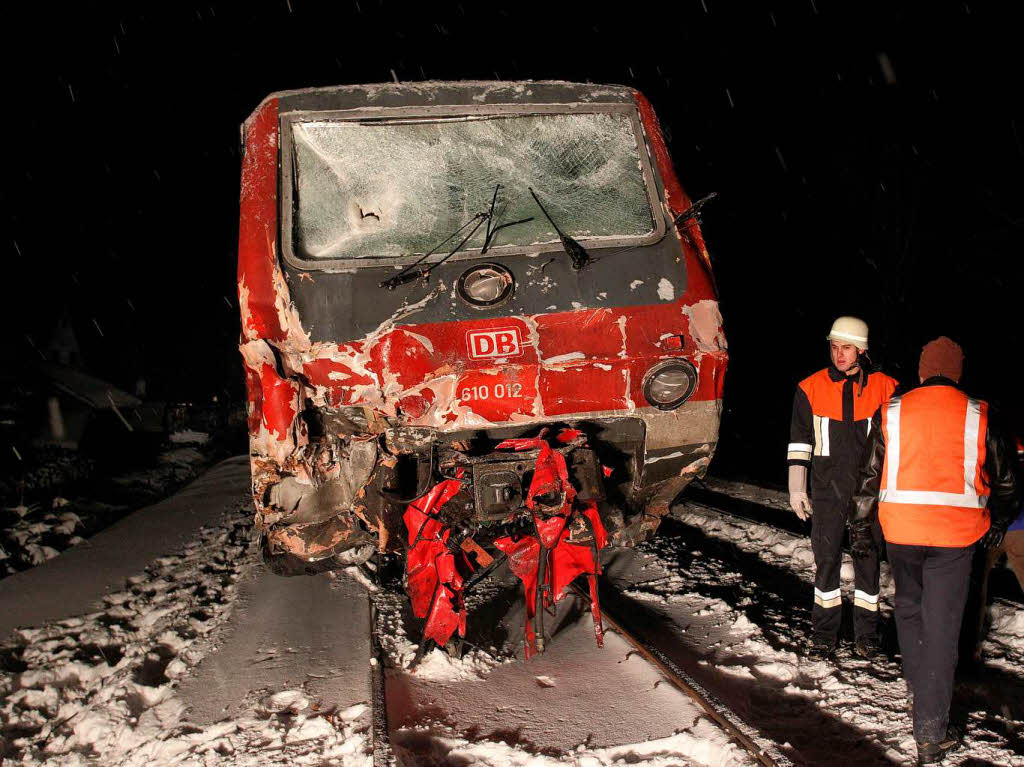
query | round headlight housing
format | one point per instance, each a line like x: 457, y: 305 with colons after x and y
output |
x: 669, y: 384
x: 486, y: 285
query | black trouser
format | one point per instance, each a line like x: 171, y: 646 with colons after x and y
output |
x: 931, y: 588
x: 828, y: 524
x: 972, y: 629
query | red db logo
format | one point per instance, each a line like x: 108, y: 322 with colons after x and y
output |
x: 485, y: 344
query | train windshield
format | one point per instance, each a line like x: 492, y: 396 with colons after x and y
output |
x: 393, y: 188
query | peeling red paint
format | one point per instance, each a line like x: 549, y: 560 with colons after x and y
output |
x: 415, y: 405
x: 574, y: 390
x: 257, y: 231
x: 337, y: 378
x: 673, y: 343
x: 608, y: 375
x: 404, y: 357
x: 585, y: 331
x: 579, y: 364
x: 254, y: 389
x: 280, y: 402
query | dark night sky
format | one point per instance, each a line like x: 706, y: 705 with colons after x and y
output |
x: 868, y: 160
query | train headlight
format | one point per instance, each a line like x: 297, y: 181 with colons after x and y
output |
x: 486, y: 285
x: 669, y: 384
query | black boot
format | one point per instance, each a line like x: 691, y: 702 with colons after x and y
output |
x: 866, y: 647
x: 932, y: 753
x: 822, y: 646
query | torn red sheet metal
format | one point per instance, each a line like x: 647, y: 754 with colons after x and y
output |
x: 433, y: 576
x: 549, y: 560
x: 550, y: 475
x: 563, y: 562
x: 568, y: 435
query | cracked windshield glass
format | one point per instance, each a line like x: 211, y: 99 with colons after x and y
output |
x: 387, y: 189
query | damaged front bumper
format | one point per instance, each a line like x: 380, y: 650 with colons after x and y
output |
x: 340, y: 496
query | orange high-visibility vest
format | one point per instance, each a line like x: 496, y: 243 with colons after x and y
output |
x: 933, y: 489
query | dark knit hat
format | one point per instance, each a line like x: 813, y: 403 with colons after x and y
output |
x: 941, y: 357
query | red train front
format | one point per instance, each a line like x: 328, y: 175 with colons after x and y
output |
x: 478, y: 324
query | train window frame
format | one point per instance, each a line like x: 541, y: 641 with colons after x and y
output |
x: 286, y: 176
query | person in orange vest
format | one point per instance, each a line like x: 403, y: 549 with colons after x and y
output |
x: 940, y: 481
x: 831, y: 419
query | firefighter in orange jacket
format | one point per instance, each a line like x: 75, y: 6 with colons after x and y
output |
x: 940, y: 481
x: 831, y: 418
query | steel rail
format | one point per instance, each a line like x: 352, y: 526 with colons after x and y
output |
x: 766, y: 752
x: 1005, y: 588
x: 383, y: 756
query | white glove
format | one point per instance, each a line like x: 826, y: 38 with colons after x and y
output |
x: 799, y: 501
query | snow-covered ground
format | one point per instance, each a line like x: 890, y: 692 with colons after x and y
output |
x: 32, y: 533
x: 576, y: 704
x: 740, y: 593
x: 105, y: 687
x: 199, y: 656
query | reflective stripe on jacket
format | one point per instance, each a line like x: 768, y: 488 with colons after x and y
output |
x: 933, y: 488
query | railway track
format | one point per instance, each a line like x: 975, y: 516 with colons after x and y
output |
x: 743, y: 508
x: 647, y: 645
x: 762, y: 749
x: 383, y: 756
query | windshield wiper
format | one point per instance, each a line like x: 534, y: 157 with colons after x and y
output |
x: 489, y: 235
x: 575, y: 251
x: 693, y: 212
x: 411, y: 273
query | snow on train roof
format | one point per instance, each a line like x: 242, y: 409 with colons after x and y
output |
x: 463, y: 92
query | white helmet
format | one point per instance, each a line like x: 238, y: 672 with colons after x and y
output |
x: 850, y: 330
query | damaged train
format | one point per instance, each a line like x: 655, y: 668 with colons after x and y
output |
x: 479, y: 326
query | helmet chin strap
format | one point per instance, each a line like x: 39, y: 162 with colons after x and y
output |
x: 864, y: 364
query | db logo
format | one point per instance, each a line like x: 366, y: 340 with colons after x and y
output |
x: 503, y: 342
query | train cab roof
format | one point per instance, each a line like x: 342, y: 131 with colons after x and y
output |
x: 464, y: 93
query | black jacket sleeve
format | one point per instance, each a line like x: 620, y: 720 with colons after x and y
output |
x: 801, y: 431
x: 999, y: 468
x: 863, y: 509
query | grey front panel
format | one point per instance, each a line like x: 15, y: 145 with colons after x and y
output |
x: 340, y: 307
